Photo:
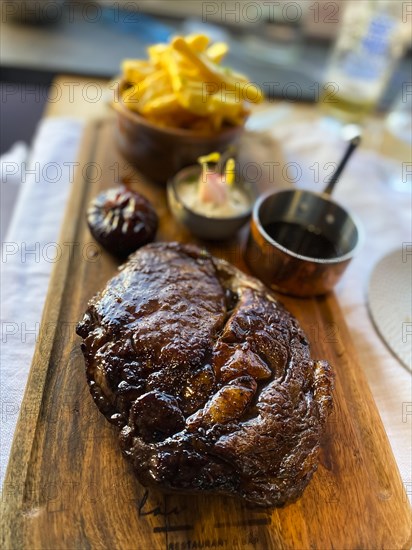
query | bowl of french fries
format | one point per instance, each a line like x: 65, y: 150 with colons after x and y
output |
x: 179, y: 104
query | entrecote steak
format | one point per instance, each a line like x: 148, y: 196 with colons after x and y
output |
x: 208, y: 377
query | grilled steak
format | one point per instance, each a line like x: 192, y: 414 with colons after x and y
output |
x: 209, y: 378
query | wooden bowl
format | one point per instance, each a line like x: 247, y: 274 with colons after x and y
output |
x: 160, y: 152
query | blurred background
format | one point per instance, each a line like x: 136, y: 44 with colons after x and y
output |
x: 284, y: 46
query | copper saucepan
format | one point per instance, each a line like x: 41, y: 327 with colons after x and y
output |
x: 301, y: 242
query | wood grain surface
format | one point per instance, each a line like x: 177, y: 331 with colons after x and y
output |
x: 67, y: 484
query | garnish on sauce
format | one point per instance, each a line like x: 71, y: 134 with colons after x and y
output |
x: 215, y: 193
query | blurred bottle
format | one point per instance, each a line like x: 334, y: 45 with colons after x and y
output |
x: 370, y: 43
x: 397, y: 142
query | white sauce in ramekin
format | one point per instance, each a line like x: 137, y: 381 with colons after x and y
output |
x: 237, y: 203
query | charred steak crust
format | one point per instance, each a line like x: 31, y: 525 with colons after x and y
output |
x: 209, y: 378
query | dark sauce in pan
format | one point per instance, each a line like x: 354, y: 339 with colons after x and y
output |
x: 306, y: 241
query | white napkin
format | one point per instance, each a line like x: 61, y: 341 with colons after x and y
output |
x: 26, y: 260
x: 12, y: 165
x: 385, y: 215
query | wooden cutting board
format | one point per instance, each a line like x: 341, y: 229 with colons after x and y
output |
x: 68, y: 486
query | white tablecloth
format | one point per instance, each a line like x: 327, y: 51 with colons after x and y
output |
x: 386, y: 219
x: 386, y: 216
x: 26, y: 249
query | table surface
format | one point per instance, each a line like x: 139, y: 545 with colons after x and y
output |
x: 84, y: 98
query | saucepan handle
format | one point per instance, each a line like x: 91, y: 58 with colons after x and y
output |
x: 352, y: 145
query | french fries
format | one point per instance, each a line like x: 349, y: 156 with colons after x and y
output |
x: 182, y: 84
